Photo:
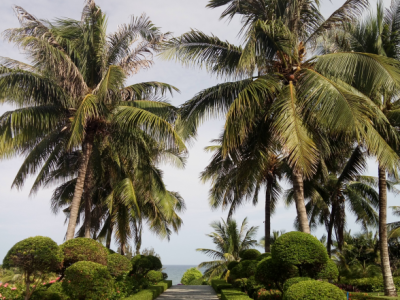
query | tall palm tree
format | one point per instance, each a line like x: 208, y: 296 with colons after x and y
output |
x: 73, y: 92
x: 127, y: 192
x: 229, y: 240
x: 379, y: 34
x: 240, y: 176
x: 302, y: 95
x: 339, y: 186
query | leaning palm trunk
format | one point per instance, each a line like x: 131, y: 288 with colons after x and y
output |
x: 330, y: 229
x: 268, y: 217
x: 299, y: 200
x: 88, y: 202
x: 390, y: 289
x: 76, y: 200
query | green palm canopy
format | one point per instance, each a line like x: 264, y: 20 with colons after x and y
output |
x: 73, y: 92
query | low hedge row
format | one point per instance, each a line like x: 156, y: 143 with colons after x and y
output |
x: 233, y: 294
x: 152, y: 292
x: 362, y: 296
x: 370, y: 284
x: 219, y: 284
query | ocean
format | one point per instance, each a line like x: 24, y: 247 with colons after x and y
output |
x: 175, y: 272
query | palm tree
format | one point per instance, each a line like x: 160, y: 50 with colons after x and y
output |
x: 240, y: 176
x: 301, y: 97
x: 229, y: 240
x: 379, y: 34
x: 74, y: 92
x: 394, y: 226
x: 127, y: 192
x: 338, y: 182
x: 275, y: 234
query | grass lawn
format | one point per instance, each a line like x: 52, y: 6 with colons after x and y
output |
x: 383, y: 297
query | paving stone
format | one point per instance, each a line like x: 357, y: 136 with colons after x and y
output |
x: 204, y: 292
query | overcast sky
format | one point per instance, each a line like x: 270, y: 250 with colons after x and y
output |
x: 22, y: 216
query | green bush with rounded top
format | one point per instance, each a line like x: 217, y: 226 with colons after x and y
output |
x: 83, y: 249
x: 88, y: 280
x: 329, y: 271
x: 34, y: 254
x: 271, y: 271
x: 244, y: 269
x: 314, y: 290
x: 190, y: 275
x: 154, y: 276
x: 291, y: 281
x: 141, y: 264
x: 232, y: 264
x: 118, y: 264
x: 264, y: 255
x: 249, y: 254
x: 301, y: 250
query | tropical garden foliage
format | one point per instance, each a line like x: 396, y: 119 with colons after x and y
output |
x: 306, y: 99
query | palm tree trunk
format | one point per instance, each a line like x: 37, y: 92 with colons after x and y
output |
x: 390, y: 289
x: 299, y: 200
x: 76, y: 200
x: 109, y: 235
x: 330, y: 229
x: 267, y: 222
x: 88, y: 202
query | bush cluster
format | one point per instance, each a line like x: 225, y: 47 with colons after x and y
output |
x: 83, y: 249
x: 154, y: 276
x: 88, y: 280
x: 118, y: 264
x: 190, y: 275
x: 292, y: 281
x: 249, y: 254
x: 141, y: 264
x: 314, y: 290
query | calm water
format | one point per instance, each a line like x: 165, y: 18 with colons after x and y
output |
x: 175, y: 272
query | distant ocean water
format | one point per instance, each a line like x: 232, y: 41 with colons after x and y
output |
x: 175, y: 272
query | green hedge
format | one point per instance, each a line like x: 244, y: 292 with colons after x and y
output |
x: 152, y: 292
x: 370, y: 284
x: 233, y: 294
x: 219, y: 284
x: 142, y: 295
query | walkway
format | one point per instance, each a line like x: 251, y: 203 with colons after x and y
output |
x: 203, y: 292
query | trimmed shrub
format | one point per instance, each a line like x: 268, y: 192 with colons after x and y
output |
x: 274, y: 272
x: 263, y: 294
x: 219, y: 284
x: 35, y: 256
x: 142, y: 295
x: 330, y: 271
x: 314, y: 290
x: 190, y: 275
x: 288, y: 283
x: 157, y: 290
x: 250, y: 254
x: 56, y: 288
x: 199, y: 281
x: 233, y: 294
x: 168, y: 282
x: 154, y: 276
x: 46, y: 295
x: 88, y: 280
x: 141, y: 264
x: 244, y: 269
x: 264, y: 255
x: 369, y: 285
x: 240, y: 283
x: 164, y: 285
x: 118, y: 264
x: 302, y: 250
x: 83, y: 249
x: 232, y: 264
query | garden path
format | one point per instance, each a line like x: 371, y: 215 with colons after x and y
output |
x: 203, y: 292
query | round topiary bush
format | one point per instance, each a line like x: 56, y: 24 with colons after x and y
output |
x: 88, y: 280
x: 118, y: 264
x: 154, y: 262
x: 190, y: 275
x: 35, y: 256
x: 330, y: 271
x: 244, y: 269
x: 314, y: 290
x: 264, y: 255
x: 83, y: 249
x: 291, y: 281
x: 302, y: 250
x: 141, y: 264
x: 154, y: 276
x: 274, y: 272
x: 232, y: 264
x: 250, y: 254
